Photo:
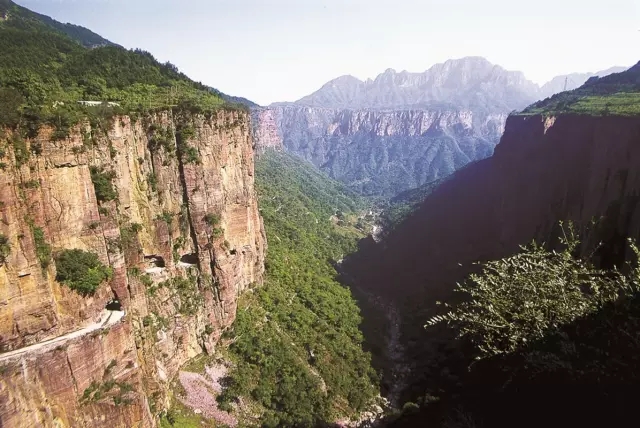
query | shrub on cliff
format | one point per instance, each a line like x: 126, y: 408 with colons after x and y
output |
x: 102, y: 184
x: 5, y: 248
x: 81, y: 271
x: 521, y: 301
x: 43, y: 249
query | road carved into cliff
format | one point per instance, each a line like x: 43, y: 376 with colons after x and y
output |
x: 107, y: 319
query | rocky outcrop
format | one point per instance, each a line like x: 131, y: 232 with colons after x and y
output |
x: 381, y: 152
x: 183, y: 236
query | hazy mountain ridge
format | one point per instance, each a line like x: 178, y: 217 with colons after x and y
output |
x: 574, y: 80
x: 402, y: 130
x: 469, y: 82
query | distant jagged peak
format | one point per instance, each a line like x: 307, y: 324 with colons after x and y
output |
x: 462, y: 81
x: 466, y: 82
x: 346, y: 79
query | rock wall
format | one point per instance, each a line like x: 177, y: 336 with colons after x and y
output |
x: 543, y: 171
x: 381, y: 152
x: 183, y: 236
x: 266, y: 129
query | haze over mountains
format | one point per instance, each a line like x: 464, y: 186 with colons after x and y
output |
x: 470, y: 82
x: 402, y: 130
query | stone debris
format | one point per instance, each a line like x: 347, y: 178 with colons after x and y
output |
x: 201, y: 391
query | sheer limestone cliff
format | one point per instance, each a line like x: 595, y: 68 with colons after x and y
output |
x: 381, y: 152
x: 182, y: 234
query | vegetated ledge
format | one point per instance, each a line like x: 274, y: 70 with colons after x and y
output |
x: 618, y: 104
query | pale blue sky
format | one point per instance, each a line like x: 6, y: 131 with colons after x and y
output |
x: 281, y: 50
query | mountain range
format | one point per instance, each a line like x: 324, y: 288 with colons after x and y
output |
x: 470, y: 82
x: 402, y: 130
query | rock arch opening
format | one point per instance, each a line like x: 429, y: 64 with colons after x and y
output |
x: 189, y: 259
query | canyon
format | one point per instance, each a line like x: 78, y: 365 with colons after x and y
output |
x: 174, y: 187
x: 176, y: 275
x: 548, y: 172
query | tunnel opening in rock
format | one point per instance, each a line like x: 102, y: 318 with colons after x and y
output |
x: 113, y: 305
x: 155, y: 261
x: 233, y: 252
x: 189, y: 259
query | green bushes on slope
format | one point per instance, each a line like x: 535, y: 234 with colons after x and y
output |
x: 297, y: 344
x: 81, y: 271
x: 544, y: 338
x: 616, y: 94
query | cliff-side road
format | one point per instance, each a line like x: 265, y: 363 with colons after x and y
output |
x: 107, y: 319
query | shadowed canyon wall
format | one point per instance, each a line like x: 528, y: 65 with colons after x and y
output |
x: 543, y: 171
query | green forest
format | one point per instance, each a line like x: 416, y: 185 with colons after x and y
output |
x: 298, y: 348
x: 46, y: 68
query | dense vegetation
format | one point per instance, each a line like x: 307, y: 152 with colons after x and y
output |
x: 45, y: 69
x: 543, y: 336
x: 81, y: 270
x: 5, y: 248
x: 616, y: 94
x: 297, y: 344
x: 84, y: 36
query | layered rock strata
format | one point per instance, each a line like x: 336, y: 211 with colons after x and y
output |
x: 183, y: 236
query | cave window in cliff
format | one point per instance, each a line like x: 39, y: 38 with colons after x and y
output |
x: 189, y: 259
x: 155, y: 261
x: 114, y: 305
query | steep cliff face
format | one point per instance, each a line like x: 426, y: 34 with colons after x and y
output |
x: 381, y: 152
x: 544, y: 170
x: 183, y: 236
x: 266, y: 130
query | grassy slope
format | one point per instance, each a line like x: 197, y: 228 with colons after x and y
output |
x: 298, y: 346
x: 616, y: 94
